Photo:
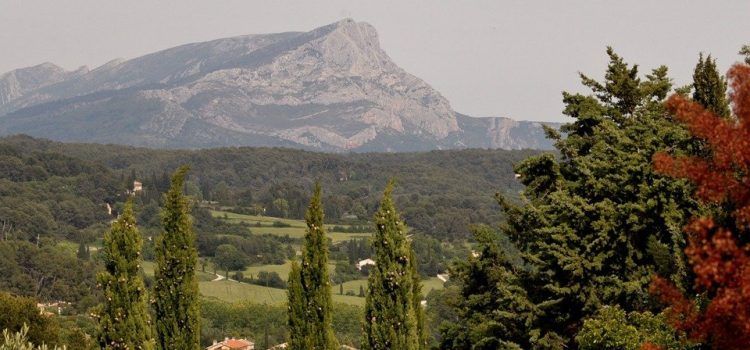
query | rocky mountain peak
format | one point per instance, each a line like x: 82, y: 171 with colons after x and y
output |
x: 333, y: 88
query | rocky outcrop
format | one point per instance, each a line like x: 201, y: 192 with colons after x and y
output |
x: 331, y: 89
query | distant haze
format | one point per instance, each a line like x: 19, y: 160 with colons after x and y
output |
x: 489, y: 58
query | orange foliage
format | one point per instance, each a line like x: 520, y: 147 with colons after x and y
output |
x: 650, y: 346
x: 720, y: 256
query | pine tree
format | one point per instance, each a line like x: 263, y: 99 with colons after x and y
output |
x: 596, y: 221
x: 709, y: 87
x: 309, y: 290
x: 124, y: 320
x: 393, y: 315
x: 745, y: 51
x: 176, y: 308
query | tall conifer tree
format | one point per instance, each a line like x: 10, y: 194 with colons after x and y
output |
x: 709, y: 87
x: 310, y: 319
x: 595, y: 224
x: 393, y: 314
x: 176, y: 306
x: 124, y: 321
x: 745, y: 51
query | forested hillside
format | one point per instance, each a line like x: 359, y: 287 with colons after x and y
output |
x: 441, y: 192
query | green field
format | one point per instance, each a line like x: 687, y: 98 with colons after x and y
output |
x: 282, y: 270
x: 427, y: 286
x: 148, y: 269
x: 295, y: 230
x: 232, y: 291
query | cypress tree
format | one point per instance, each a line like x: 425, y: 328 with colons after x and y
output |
x: 417, y: 301
x: 83, y: 251
x: 124, y: 318
x: 310, y: 319
x: 709, y: 87
x: 176, y: 306
x: 392, y: 310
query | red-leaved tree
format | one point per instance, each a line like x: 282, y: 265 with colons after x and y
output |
x: 718, y: 247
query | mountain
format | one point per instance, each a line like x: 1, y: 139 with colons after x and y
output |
x: 330, y: 89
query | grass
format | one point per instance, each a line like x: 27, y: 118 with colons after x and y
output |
x: 231, y: 291
x: 72, y: 247
x: 149, y: 266
x: 427, y: 285
x: 282, y: 270
x: 296, y: 228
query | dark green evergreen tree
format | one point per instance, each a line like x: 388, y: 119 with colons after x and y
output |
x: 494, y: 309
x: 595, y: 224
x: 393, y: 314
x: 745, y: 51
x: 176, y: 308
x: 124, y: 320
x: 83, y: 251
x: 309, y: 294
x: 710, y: 87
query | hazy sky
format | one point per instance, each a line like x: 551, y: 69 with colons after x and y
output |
x: 489, y: 58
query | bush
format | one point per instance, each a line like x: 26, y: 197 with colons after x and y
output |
x: 20, y: 314
x: 18, y: 341
x: 280, y: 224
x: 614, y: 329
x: 269, y: 279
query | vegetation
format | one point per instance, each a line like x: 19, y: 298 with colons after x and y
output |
x: 310, y: 322
x: 18, y: 341
x: 124, y: 320
x: 393, y: 314
x: 597, y: 223
x: 718, y: 247
x: 632, y: 235
x: 176, y: 305
x: 20, y: 314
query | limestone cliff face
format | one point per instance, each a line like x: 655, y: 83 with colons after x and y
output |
x: 331, y: 89
x: 17, y: 83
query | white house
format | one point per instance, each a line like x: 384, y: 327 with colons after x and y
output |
x: 364, y: 263
x: 443, y: 277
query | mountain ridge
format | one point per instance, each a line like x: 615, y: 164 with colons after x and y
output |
x: 330, y: 89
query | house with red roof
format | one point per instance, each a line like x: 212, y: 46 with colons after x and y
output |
x: 232, y: 344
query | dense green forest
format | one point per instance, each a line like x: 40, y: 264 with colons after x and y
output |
x: 277, y: 180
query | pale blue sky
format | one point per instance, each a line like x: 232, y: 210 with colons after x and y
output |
x: 505, y: 58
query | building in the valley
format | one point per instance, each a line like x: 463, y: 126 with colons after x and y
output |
x: 366, y: 262
x: 232, y: 344
x: 137, y: 186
